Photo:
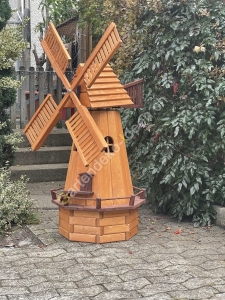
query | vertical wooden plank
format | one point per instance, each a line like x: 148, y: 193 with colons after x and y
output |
x: 75, y: 167
x: 123, y: 154
x: 102, y: 181
x: 59, y: 98
x: 121, y: 179
x: 69, y: 76
x: 31, y: 91
x: 50, y: 81
x: 22, y: 98
x: 41, y: 80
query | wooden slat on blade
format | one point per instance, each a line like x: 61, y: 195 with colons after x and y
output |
x: 96, y: 141
x: 99, y: 57
x: 37, y: 136
x: 53, y: 46
x: 89, y: 122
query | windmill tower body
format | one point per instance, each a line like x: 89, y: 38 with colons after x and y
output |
x: 97, y: 203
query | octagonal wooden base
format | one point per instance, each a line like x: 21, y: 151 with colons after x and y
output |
x: 98, y: 227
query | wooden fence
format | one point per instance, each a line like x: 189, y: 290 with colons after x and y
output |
x: 36, y: 84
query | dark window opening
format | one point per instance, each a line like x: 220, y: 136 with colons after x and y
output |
x: 110, y: 143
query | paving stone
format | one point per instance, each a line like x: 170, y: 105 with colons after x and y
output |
x: 57, y: 264
x: 198, y: 252
x: 131, y: 275
x: 91, y: 247
x: 136, y: 284
x: 159, y: 265
x: 194, y: 271
x: 175, y: 278
x: 11, y: 258
x: 157, y: 288
x: 194, y: 261
x: 78, y: 267
x: 86, y: 292
x: 46, y: 286
x: 31, y: 260
x: 164, y: 250
x: 23, y: 282
x: 73, y: 255
x: 117, y: 251
x: 201, y: 293
x: 47, y: 240
x: 47, y: 253
x: 93, y: 280
x: 213, y: 264
x: 111, y: 271
x: 69, y: 298
x: 218, y: 297
x: 116, y: 262
x: 219, y: 285
x: 159, y: 296
x: 35, y: 296
x: 13, y: 290
x: 94, y: 260
x: 115, y: 294
x: 162, y: 256
x: 217, y: 273
x: 216, y: 256
x: 178, y: 244
x: 41, y: 271
x: 8, y: 274
x: 81, y: 275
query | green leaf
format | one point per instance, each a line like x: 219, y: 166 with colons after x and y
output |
x: 176, y: 131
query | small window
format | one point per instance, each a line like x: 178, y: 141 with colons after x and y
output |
x: 110, y: 143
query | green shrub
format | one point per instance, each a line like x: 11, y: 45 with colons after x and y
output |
x: 11, y: 46
x: 15, y: 202
x: 178, y: 153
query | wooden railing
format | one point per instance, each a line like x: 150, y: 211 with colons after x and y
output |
x: 134, y: 201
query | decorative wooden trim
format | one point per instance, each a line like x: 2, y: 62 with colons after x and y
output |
x: 137, y: 202
x: 134, y: 90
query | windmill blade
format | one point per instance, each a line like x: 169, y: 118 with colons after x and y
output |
x: 56, y: 53
x: 43, y: 121
x: 85, y: 133
x: 103, y: 52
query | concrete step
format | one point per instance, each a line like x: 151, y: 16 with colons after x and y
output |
x: 49, y: 163
x: 57, y: 137
x: 41, y: 172
x: 45, y: 155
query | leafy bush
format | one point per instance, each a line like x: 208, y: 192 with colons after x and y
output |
x: 178, y: 152
x: 11, y: 47
x: 15, y: 202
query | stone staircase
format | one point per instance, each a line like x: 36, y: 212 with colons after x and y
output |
x: 49, y: 163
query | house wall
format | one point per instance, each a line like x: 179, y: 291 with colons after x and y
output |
x: 35, y: 17
x: 30, y: 9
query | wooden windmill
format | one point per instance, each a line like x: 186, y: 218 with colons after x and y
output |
x: 97, y: 203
